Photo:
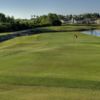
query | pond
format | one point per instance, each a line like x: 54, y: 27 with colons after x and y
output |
x: 92, y: 32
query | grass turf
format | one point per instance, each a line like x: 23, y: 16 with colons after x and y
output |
x: 50, y: 66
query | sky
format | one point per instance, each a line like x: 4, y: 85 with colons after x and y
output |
x: 26, y: 8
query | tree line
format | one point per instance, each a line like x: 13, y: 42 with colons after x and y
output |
x: 8, y: 23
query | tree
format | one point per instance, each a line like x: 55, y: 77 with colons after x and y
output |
x: 2, y: 17
x: 54, y: 19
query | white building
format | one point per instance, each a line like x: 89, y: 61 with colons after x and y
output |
x: 97, y: 21
x: 65, y: 21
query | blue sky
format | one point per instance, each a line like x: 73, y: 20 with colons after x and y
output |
x: 26, y: 8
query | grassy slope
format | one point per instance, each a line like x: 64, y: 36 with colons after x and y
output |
x: 52, y: 66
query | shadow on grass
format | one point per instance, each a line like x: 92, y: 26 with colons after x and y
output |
x: 36, y: 31
x: 50, y: 82
x: 95, y: 43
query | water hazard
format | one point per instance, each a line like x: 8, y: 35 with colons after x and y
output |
x: 92, y: 32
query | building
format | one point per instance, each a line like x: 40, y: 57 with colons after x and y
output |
x: 65, y: 21
x: 73, y: 21
x: 80, y: 21
x: 97, y: 21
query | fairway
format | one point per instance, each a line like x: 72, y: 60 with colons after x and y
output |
x: 50, y: 66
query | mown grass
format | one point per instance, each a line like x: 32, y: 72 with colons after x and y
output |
x: 70, y: 27
x: 50, y: 66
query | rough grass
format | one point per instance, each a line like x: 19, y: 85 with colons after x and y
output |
x: 50, y: 66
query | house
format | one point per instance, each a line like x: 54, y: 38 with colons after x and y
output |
x: 73, y: 21
x: 80, y: 21
x: 97, y: 21
x: 89, y: 21
x: 83, y: 21
x: 65, y: 21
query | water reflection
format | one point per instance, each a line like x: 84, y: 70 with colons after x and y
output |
x: 92, y: 32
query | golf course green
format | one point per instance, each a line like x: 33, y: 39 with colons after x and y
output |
x: 50, y: 66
